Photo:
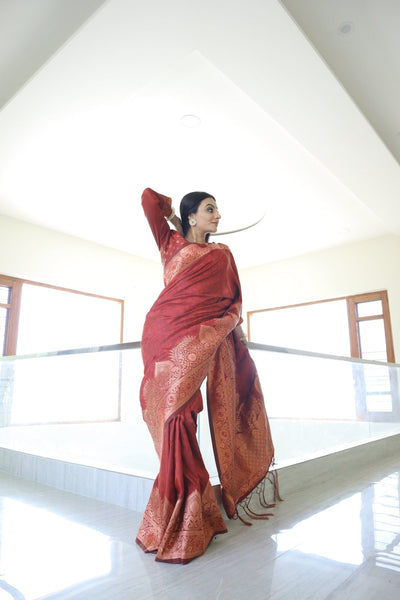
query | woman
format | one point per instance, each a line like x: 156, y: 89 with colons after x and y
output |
x: 193, y: 332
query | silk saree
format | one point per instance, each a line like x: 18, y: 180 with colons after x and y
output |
x: 188, y: 337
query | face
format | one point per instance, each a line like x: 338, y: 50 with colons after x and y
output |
x: 207, y: 216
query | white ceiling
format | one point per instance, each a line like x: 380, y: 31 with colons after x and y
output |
x: 298, y: 102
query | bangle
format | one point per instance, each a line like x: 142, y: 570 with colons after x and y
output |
x: 171, y: 216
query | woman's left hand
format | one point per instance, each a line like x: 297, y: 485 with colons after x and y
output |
x: 176, y: 222
x: 241, y: 335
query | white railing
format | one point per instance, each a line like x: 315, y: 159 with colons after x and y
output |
x: 83, y: 405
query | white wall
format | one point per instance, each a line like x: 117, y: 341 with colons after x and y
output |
x: 346, y: 270
x: 38, y: 254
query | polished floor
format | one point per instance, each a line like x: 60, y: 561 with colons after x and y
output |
x: 323, y: 543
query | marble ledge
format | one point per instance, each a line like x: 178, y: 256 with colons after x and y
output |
x: 132, y: 491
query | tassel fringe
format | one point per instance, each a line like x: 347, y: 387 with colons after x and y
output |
x: 259, y: 492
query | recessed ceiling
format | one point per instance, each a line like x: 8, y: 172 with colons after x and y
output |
x: 278, y: 135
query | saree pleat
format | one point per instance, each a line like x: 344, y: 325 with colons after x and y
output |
x: 182, y: 515
x: 189, y: 336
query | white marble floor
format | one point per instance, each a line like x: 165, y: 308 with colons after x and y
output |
x: 337, y: 544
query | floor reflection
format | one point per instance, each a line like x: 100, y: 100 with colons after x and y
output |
x: 365, y: 524
x: 386, y: 522
x: 323, y: 533
x: 42, y: 553
x: 59, y: 546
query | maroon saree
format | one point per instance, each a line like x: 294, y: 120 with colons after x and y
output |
x: 189, y: 336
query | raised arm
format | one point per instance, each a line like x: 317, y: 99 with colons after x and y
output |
x: 156, y: 207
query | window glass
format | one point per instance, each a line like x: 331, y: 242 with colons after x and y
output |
x: 378, y: 397
x: 4, y: 294
x: 321, y: 327
x: 369, y: 309
x: 372, y: 339
x: 3, y: 329
x: 52, y: 319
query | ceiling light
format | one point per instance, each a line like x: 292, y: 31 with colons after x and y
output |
x: 346, y: 28
x: 344, y: 230
x: 190, y: 121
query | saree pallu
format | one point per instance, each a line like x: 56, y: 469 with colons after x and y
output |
x: 189, y: 336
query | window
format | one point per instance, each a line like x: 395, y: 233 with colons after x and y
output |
x: 371, y: 339
x: 5, y: 293
x: 357, y: 326
x: 317, y: 327
x: 369, y: 325
x: 39, y: 318
x: 10, y: 293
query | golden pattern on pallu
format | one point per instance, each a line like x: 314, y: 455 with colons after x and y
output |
x: 178, y: 378
x: 185, y: 255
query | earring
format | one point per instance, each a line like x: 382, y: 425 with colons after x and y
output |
x: 192, y: 222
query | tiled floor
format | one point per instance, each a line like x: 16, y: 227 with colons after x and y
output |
x: 341, y: 543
